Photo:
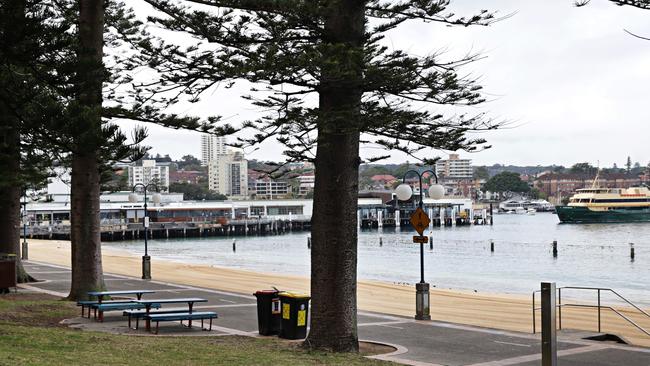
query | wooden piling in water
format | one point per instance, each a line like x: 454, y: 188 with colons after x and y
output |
x: 632, y: 252
x: 491, y: 216
x: 492, y: 246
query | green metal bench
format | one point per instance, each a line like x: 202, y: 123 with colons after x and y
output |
x: 117, y: 305
x: 202, y: 315
x: 88, y: 304
x: 141, y: 314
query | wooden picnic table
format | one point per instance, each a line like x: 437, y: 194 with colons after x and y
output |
x: 189, y: 300
x: 100, y: 294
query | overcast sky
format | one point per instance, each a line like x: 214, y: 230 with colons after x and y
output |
x: 574, y: 84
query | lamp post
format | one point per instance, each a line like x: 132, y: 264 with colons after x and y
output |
x: 404, y: 193
x: 24, y: 250
x: 146, y: 260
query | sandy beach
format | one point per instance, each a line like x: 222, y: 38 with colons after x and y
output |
x: 507, y: 312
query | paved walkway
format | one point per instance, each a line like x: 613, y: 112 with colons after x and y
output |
x: 417, y: 342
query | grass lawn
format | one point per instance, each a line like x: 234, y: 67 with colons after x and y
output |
x: 30, y: 334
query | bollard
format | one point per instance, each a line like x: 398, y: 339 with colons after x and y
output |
x: 431, y: 242
x: 632, y: 252
x: 491, y: 216
x: 549, y: 334
x: 554, y: 248
x: 492, y: 246
x: 381, y: 241
x: 309, y: 242
x: 25, y: 251
x: 234, y: 245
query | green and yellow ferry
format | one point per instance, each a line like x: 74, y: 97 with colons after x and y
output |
x: 602, y: 205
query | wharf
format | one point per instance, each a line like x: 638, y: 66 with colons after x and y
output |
x: 133, y: 231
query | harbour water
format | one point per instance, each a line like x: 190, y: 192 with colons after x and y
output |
x: 588, y: 255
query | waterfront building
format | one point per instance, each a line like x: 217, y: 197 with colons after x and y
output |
x: 211, y: 146
x: 469, y: 188
x: 121, y: 219
x: 149, y: 172
x: 454, y: 168
x: 383, y: 180
x: 645, y: 177
x: 228, y: 175
x: 307, y: 182
x: 300, y: 166
x: 186, y: 176
x: 267, y: 188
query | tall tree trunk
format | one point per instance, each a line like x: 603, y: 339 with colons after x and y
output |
x: 334, y: 228
x: 85, y: 235
x: 10, y: 187
x: 87, y: 273
x: 10, y: 192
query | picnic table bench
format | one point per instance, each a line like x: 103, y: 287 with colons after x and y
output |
x: 176, y: 316
x: 100, y: 305
x: 186, y: 314
x: 141, y: 314
x: 90, y: 304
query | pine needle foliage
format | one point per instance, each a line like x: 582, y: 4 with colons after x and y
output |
x: 327, y: 83
x: 282, y: 48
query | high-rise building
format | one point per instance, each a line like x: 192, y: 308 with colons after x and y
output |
x: 228, y: 175
x: 211, y: 146
x: 150, y: 172
x: 455, y: 168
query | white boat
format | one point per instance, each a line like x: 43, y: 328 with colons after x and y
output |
x: 525, y: 206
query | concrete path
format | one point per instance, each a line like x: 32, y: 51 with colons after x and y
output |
x: 416, y: 342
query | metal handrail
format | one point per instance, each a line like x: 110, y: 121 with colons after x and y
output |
x: 612, y: 309
x: 599, y: 306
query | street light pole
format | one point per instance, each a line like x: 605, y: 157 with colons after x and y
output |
x: 24, y: 252
x: 146, y: 259
x: 404, y: 192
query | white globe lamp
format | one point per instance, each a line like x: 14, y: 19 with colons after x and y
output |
x: 403, y: 192
x: 133, y: 198
x: 156, y: 198
x: 436, y: 191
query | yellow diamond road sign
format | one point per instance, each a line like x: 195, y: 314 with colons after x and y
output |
x: 420, y: 220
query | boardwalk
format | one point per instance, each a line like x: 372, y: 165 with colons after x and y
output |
x: 416, y: 343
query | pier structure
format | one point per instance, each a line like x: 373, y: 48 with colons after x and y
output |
x: 123, y: 220
x: 374, y: 213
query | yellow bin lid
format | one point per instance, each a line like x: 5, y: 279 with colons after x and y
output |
x: 294, y: 295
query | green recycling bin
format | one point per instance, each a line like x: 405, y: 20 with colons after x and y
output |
x: 295, y: 313
x: 268, y: 312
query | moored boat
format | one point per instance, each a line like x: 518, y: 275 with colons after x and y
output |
x: 525, y: 206
x: 602, y: 205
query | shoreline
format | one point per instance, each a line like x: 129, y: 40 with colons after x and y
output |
x: 460, y: 290
x: 499, y: 311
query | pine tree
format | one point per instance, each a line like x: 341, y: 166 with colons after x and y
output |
x: 363, y: 88
x: 93, y: 142
x: 51, y: 112
x: 628, y: 165
x: 28, y: 51
x: 366, y: 93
